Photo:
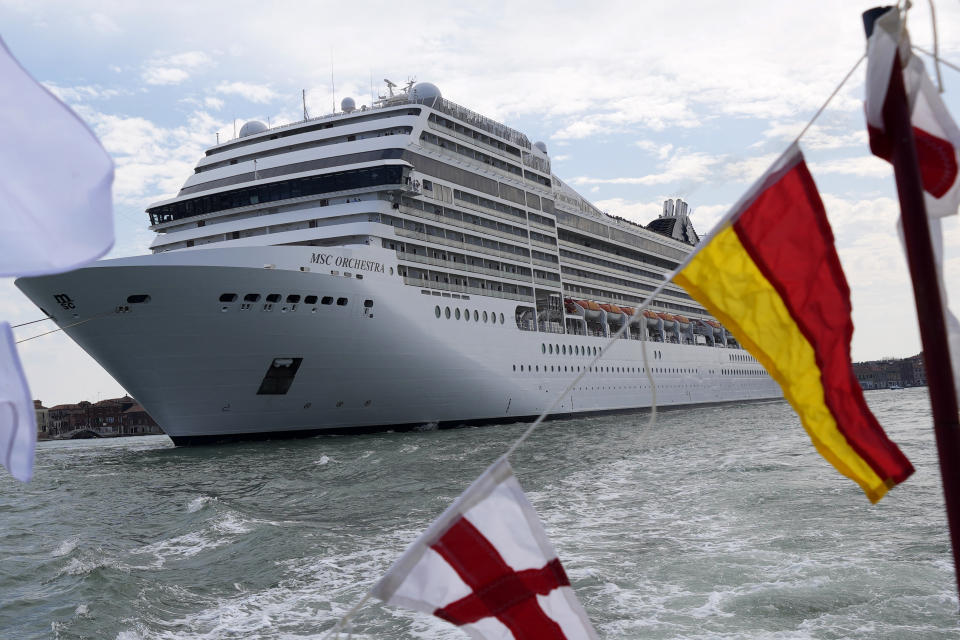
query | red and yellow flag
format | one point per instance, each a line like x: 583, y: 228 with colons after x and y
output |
x: 771, y: 274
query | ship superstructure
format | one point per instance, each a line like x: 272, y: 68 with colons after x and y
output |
x: 405, y: 264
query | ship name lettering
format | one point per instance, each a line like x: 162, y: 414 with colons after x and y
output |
x: 347, y: 263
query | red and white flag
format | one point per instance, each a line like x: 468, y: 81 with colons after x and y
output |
x: 936, y: 136
x: 487, y: 566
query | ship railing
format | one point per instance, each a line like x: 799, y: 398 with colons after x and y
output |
x: 459, y: 288
x: 450, y: 264
x: 483, y: 122
x: 436, y: 217
x: 407, y: 233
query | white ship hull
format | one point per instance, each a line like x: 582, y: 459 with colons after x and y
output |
x: 197, y: 365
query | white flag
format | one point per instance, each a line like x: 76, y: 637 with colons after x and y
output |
x: 18, y: 421
x: 487, y: 566
x: 55, y: 178
x: 936, y: 136
x: 56, y: 214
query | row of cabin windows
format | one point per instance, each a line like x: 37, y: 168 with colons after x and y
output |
x: 467, y: 152
x: 456, y: 314
x: 600, y: 369
x: 573, y: 350
x: 476, y: 135
x: 293, y: 298
x: 266, y: 153
x: 477, y: 243
x: 616, y: 250
x: 744, y: 372
x: 282, y: 190
x: 609, y: 264
x: 742, y: 358
x: 457, y: 217
x: 294, y: 131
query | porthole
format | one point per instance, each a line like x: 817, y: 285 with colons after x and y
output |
x: 326, y: 300
x: 543, y: 348
x: 446, y: 312
x: 514, y: 367
x: 476, y: 316
x: 228, y: 297
x: 436, y: 311
x: 368, y: 304
x: 466, y: 315
x: 563, y: 349
x: 273, y: 297
x: 501, y: 319
x: 341, y: 302
x: 310, y: 300
x: 558, y: 349
x: 251, y: 297
x: 485, y: 316
x: 293, y: 299
x: 457, y: 313
x: 139, y: 298
x: 538, y: 368
x: 550, y: 349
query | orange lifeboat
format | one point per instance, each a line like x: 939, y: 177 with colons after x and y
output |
x: 713, y: 323
x: 682, y: 319
x: 666, y: 317
x: 650, y: 314
x: 569, y: 305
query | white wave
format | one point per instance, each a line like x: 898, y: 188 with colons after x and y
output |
x: 82, y: 611
x: 322, y: 460
x: 65, y: 548
x: 199, y: 503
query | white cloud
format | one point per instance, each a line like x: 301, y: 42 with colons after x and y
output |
x: 174, y: 69
x: 861, y: 166
x: 164, y: 75
x: 213, y: 103
x: 250, y: 91
x: 82, y: 93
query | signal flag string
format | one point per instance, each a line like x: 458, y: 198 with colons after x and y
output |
x: 344, y: 621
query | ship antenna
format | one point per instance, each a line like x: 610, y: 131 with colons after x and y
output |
x: 306, y: 116
x: 218, y: 137
x: 333, y: 90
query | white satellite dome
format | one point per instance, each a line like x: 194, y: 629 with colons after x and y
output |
x: 542, y: 146
x: 425, y: 92
x: 251, y: 128
x: 347, y: 105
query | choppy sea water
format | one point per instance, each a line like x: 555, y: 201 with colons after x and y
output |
x: 717, y: 522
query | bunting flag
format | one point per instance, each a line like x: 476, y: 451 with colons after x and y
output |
x: 56, y: 214
x: 770, y: 273
x: 487, y: 566
x: 18, y: 420
x: 936, y: 141
x: 55, y: 178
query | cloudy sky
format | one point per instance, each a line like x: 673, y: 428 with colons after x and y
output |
x: 636, y: 101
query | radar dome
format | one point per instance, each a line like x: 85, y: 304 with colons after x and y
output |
x: 347, y: 105
x: 425, y: 92
x: 542, y: 146
x: 251, y: 128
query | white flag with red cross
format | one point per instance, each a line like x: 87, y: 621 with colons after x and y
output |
x: 487, y: 566
x: 936, y: 141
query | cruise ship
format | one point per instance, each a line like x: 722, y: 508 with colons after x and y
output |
x: 401, y: 264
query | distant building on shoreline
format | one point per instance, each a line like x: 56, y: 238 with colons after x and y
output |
x: 884, y: 374
x: 111, y: 417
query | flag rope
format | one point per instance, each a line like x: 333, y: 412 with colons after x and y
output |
x: 46, y: 333
x: 638, y: 312
x: 936, y: 57
x: 23, y: 324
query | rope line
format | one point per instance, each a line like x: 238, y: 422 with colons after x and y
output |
x: 46, y: 333
x: 946, y: 63
x: 638, y: 313
x: 23, y: 324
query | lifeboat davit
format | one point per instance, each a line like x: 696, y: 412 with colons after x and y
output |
x: 570, y: 307
x: 629, y: 311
